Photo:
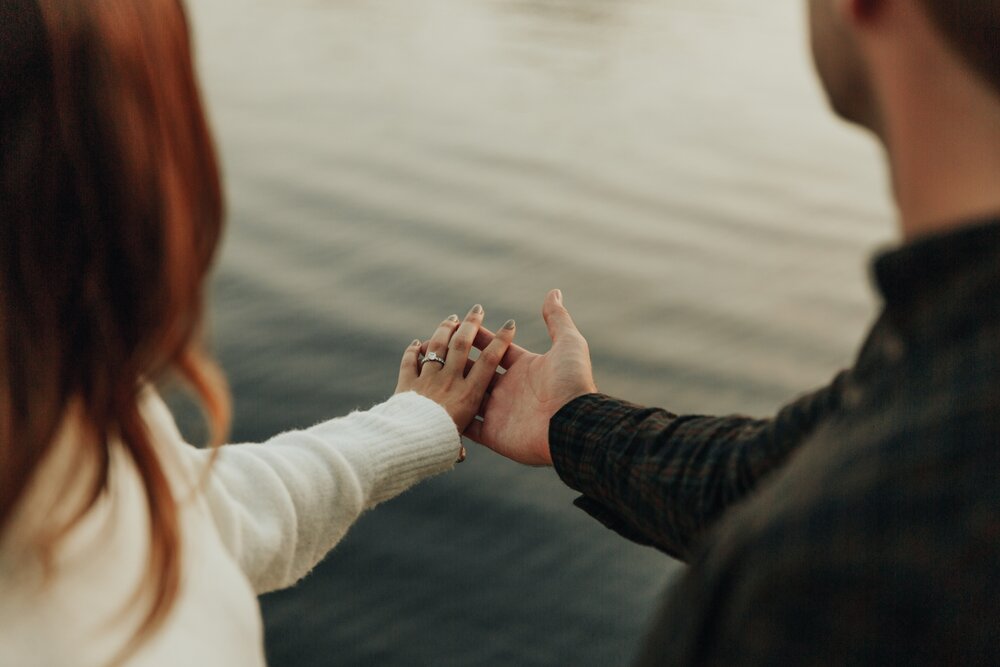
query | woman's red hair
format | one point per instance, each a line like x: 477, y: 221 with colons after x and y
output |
x: 110, y: 213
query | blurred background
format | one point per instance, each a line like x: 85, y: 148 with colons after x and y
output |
x: 670, y: 164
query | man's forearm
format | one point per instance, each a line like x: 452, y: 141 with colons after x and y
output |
x: 662, y: 479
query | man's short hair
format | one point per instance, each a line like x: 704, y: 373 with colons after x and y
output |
x: 973, y: 28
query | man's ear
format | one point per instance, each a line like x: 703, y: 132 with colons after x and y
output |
x: 860, y: 11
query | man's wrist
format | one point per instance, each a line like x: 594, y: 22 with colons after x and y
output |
x: 584, y: 389
x: 546, y: 456
x: 564, y: 437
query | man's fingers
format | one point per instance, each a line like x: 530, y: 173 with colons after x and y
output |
x: 483, y: 338
x: 514, y: 352
x: 493, y: 383
x: 557, y: 318
x: 474, y: 431
x: 489, y: 359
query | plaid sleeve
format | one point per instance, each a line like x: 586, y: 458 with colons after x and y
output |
x: 660, y: 479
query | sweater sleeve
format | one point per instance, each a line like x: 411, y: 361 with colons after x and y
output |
x: 661, y: 479
x: 281, y: 505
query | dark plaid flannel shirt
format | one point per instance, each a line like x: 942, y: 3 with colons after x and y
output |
x: 861, y: 525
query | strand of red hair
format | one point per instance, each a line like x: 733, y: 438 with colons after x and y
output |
x: 110, y: 213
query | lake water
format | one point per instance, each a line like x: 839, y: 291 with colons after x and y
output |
x: 670, y: 164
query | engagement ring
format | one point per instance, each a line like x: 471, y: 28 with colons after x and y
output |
x: 432, y: 356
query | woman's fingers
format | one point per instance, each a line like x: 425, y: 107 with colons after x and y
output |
x: 460, y: 383
x: 461, y: 342
x: 485, y: 370
x: 470, y: 364
x: 438, y: 343
x: 409, y: 368
x: 483, y: 339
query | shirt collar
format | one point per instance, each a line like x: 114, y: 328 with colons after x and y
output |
x: 942, y: 281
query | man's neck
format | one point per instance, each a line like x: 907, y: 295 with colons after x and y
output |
x: 943, y: 139
x: 944, y: 179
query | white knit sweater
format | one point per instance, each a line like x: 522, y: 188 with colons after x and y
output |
x: 267, y: 515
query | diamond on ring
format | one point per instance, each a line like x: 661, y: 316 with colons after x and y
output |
x: 432, y: 356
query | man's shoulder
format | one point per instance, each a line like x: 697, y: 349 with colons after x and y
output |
x: 862, y: 550
x: 911, y: 513
x: 879, y: 474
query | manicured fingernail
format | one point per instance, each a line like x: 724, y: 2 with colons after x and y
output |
x: 559, y: 295
x: 453, y: 318
x: 415, y: 343
x: 510, y: 324
x: 477, y: 309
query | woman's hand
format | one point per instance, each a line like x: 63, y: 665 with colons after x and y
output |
x: 446, y: 375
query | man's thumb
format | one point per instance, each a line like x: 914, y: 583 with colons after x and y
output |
x: 556, y: 316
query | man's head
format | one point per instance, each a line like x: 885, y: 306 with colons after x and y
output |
x: 924, y: 76
x: 854, y: 39
x: 972, y: 27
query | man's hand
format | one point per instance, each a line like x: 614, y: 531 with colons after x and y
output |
x: 517, y: 411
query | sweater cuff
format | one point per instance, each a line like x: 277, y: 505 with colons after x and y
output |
x: 414, y: 439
